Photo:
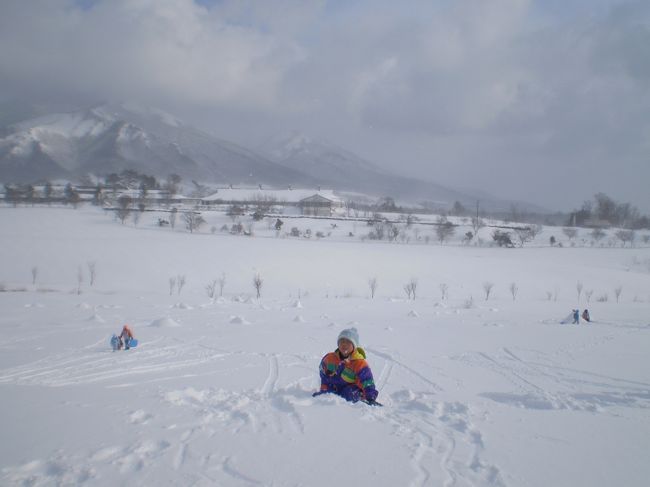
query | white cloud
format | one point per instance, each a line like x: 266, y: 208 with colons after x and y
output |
x: 148, y: 49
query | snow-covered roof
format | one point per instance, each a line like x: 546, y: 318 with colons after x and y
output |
x: 279, y: 195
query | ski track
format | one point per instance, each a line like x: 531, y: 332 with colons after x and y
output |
x: 548, y: 386
x: 412, y: 371
x: 271, y: 381
x: 61, y: 369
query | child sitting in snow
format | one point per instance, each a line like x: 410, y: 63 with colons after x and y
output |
x: 124, y: 338
x: 345, y: 371
x: 576, y: 316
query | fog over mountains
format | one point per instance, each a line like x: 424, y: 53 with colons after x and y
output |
x: 111, y: 138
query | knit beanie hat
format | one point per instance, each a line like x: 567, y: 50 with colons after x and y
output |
x: 350, y: 334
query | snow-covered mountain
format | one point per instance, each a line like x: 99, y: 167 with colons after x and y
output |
x: 111, y: 138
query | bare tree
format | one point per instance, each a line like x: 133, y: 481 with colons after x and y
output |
x: 92, y: 270
x: 626, y: 236
x: 222, y: 283
x: 597, y: 234
x: 410, y: 288
x: 172, y: 285
x: 588, y: 294
x: 124, y: 207
x: 172, y: 217
x: 535, y: 230
x: 414, y: 286
x: 524, y: 235
x: 257, y: 283
x: 193, y: 220
x: 211, y: 288
x: 34, y: 274
x: 444, y: 291
x: 571, y: 233
x: 173, y: 184
x: 372, y: 284
x: 514, y: 289
x: 180, y: 280
x: 477, y: 224
x: 487, y: 287
x: 617, y: 292
x: 80, y: 279
x: 444, y: 229
x: 579, y: 289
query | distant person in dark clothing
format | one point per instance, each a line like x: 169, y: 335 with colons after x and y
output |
x: 585, y: 316
x: 576, y: 316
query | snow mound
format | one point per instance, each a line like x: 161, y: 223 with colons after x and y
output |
x: 84, y: 306
x: 164, y: 323
x: 299, y: 319
x: 239, y: 320
x: 297, y: 304
x: 181, y: 306
x: 413, y: 314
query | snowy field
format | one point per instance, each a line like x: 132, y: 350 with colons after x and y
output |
x: 476, y: 392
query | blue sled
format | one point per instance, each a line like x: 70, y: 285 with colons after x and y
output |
x: 115, y: 343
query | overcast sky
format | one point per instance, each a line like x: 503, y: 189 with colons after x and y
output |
x: 542, y: 100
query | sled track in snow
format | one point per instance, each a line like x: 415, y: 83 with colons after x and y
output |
x: 271, y: 381
x: 91, y: 365
x: 440, y: 433
x: 550, y: 386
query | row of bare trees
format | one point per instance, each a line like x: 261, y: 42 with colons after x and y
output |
x: 91, y: 267
x: 176, y: 284
x: 410, y: 289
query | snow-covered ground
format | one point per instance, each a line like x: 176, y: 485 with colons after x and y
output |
x: 475, y: 391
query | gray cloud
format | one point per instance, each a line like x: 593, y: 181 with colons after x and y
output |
x: 518, y: 97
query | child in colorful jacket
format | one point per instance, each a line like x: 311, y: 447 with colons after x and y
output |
x: 125, y: 337
x: 345, y: 371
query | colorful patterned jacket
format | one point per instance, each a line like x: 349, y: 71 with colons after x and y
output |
x: 351, y: 378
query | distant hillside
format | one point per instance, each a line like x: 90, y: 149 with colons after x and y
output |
x: 111, y: 138
x: 333, y: 166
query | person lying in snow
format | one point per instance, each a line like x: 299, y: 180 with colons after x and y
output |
x: 345, y: 371
x: 125, y: 337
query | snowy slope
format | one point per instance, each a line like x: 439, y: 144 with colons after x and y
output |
x: 219, y: 390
